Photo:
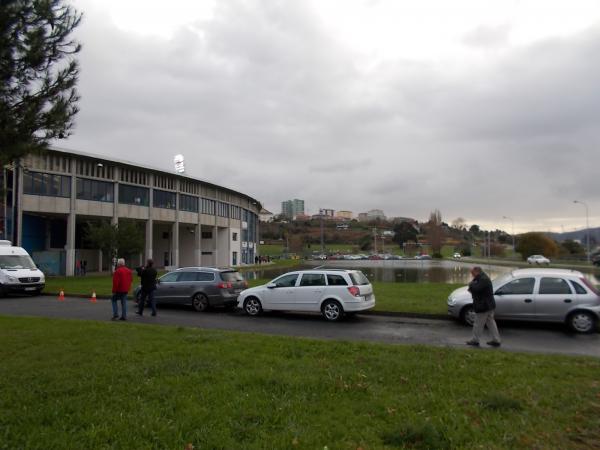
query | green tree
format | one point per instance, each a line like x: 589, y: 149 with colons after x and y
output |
x: 123, y: 240
x: 39, y: 72
x: 535, y: 243
x: 435, y: 233
x: 404, y: 232
x: 572, y: 248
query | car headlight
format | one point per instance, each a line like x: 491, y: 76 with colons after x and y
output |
x: 451, y: 301
x: 11, y: 279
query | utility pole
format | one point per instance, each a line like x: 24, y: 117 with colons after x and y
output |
x: 512, y: 231
x: 587, y: 226
x: 374, y: 240
x: 322, y: 232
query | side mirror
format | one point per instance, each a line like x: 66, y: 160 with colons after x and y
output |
x: 271, y: 286
x: 499, y: 293
x: 158, y: 281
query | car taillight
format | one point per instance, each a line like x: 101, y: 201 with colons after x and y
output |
x: 224, y: 285
x: 354, y: 291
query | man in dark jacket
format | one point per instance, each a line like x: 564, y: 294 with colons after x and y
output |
x: 148, y: 281
x: 482, y: 291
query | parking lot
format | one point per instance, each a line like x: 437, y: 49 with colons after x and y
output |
x: 364, y: 327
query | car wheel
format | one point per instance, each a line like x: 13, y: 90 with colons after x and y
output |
x: 252, y: 306
x: 582, y: 322
x: 200, y: 302
x: 467, y: 315
x: 332, y: 310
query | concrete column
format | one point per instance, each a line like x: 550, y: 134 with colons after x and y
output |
x: 71, y: 221
x: 149, y: 236
x: 216, y: 244
x: 70, y: 247
x: 198, y: 244
x: 150, y: 223
x: 176, y: 227
x: 115, y: 218
x: 99, y: 260
x: 175, y: 244
x: 18, y: 196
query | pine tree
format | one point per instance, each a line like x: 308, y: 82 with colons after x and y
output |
x: 38, y: 74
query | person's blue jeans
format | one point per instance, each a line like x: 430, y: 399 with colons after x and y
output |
x: 150, y: 296
x: 116, y: 297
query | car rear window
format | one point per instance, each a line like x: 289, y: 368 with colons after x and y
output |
x: 359, y: 278
x: 579, y: 289
x: 336, y: 280
x: 555, y: 286
x: 232, y: 276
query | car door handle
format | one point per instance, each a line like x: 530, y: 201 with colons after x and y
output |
x: 528, y: 300
x: 568, y: 300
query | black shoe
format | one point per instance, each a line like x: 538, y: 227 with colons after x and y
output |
x: 153, y: 314
x: 139, y: 313
x: 123, y: 318
x: 115, y: 318
x: 472, y: 343
x: 494, y: 343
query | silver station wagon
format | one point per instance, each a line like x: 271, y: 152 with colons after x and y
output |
x: 332, y: 292
x: 545, y: 295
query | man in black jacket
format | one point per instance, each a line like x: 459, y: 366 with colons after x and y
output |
x: 482, y: 291
x: 148, y: 281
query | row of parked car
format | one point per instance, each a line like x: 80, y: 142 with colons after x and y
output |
x: 334, y: 293
x: 364, y: 257
x: 541, y: 294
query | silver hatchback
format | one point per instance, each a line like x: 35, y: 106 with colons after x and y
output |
x: 545, y: 295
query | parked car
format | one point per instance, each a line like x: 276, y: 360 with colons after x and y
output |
x: 424, y: 256
x: 201, y: 287
x: 332, y: 292
x: 18, y: 273
x: 538, y: 259
x: 457, y: 256
x: 545, y: 295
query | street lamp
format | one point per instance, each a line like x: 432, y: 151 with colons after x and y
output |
x: 587, y: 225
x: 512, y: 231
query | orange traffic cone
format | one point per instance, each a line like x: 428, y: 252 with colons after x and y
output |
x: 93, y: 298
x: 61, y: 296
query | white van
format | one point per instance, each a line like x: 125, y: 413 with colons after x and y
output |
x: 18, y: 272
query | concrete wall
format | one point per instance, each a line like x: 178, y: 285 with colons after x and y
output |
x: 163, y: 214
x: 188, y: 217
x: 40, y: 203
x: 187, y: 246
x: 223, y: 254
x: 161, y: 245
x: 92, y: 208
x: 133, y: 211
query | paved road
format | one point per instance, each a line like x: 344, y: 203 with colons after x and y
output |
x: 396, y: 330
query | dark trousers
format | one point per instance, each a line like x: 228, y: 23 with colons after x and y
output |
x: 147, y: 295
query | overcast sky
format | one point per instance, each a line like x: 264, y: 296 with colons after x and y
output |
x: 482, y: 109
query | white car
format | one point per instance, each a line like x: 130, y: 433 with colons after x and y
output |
x: 544, y: 295
x: 331, y: 292
x: 18, y: 273
x: 538, y: 259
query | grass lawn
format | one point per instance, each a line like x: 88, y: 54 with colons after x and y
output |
x: 86, y: 385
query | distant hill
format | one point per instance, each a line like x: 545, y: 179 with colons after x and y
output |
x: 578, y: 235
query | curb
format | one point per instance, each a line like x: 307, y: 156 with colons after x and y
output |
x: 368, y: 313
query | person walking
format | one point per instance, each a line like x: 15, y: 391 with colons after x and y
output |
x: 121, y: 284
x: 148, y: 281
x: 484, y: 305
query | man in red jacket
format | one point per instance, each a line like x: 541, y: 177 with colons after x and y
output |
x: 121, y: 284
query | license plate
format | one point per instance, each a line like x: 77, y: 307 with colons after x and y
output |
x: 30, y: 289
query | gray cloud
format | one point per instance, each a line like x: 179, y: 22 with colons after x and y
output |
x: 262, y: 99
